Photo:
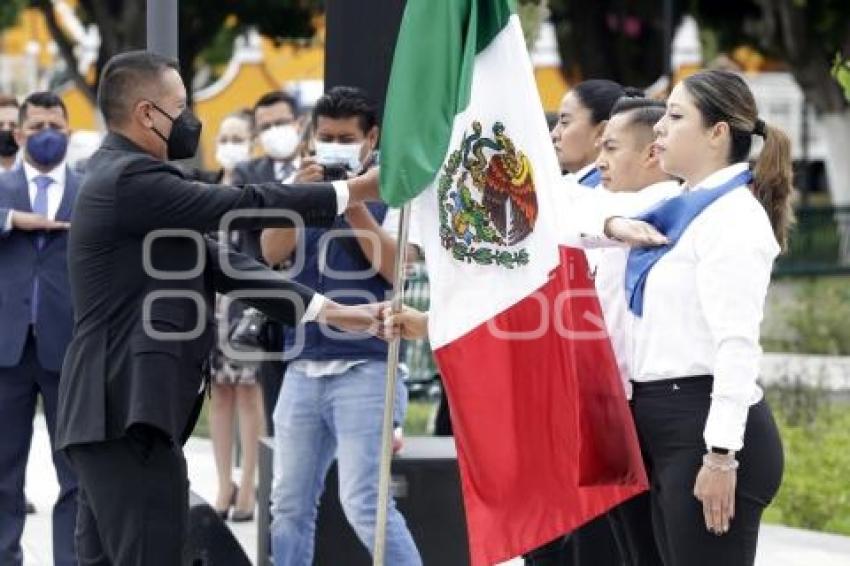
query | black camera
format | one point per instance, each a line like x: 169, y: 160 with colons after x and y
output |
x: 247, y: 334
x: 335, y: 172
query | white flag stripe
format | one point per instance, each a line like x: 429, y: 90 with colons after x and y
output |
x: 468, y: 294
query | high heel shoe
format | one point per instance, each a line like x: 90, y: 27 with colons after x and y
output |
x: 233, y: 493
x: 241, y: 516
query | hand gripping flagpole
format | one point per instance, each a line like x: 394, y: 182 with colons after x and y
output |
x: 389, y: 396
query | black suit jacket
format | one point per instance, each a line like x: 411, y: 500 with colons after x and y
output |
x: 136, y: 291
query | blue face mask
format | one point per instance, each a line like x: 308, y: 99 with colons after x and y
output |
x: 47, y: 147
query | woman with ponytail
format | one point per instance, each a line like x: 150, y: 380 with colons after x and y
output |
x: 713, y: 452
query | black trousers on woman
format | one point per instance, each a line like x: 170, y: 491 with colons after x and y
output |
x: 670, y: 416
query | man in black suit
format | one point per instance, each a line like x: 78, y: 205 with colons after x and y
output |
x: 143, y: 281
x: 276, y: 128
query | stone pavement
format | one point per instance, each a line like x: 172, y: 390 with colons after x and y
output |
x: 780, y: 546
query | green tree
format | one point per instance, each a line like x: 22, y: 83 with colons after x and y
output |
x: 621, y: 40
x: 806, y: 35
x: 122, y: 26
x: 9, y: 10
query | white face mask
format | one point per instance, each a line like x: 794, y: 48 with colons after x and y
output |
x: 280, y: 142
x: 347, y: 154
x: 229, y: 154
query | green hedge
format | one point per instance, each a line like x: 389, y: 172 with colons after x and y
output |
x: 815, y: 492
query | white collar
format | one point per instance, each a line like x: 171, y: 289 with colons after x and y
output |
x: 57, y: 173
x: 668, y: 186
x: 583, y: 172
x: 721, y: 176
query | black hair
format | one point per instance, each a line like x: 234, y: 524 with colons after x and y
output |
x: 42, y: 99
x: 599, y: 96
x: 347, y: 102
x: 276, y: 97
x: 123, y: 76
x: 8, y: 101
x: 643, y: 111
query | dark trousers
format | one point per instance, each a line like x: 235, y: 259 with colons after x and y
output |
x: 670, y: 417
x: 270, y: 374
x: 19, y: 389
x: 631, y: 524
x: 592, y: 544
x: 133, y: 500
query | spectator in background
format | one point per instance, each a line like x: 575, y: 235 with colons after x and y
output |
x: 8, y: 125
x: 235, y: 385
x: 277, y: 130
x: 331, y: 404
x: 36, y: 202
x: 8, y: 160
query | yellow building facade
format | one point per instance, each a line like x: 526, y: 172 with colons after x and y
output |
x: 255, y: 69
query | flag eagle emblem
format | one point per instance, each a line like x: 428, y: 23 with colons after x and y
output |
x: 488, y: 200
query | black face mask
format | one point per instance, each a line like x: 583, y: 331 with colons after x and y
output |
x: 8, y: 145
x: 182, y: 143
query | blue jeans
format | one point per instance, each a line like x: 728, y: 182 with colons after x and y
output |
x: 315, y: 420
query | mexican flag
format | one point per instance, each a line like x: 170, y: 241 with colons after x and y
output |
x: 544, y: 436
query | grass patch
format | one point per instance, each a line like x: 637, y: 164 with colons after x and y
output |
x: 816, y: 436
x: 418, y: 418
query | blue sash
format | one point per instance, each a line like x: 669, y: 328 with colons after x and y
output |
x: 591, y: 179
x: 671, y: 217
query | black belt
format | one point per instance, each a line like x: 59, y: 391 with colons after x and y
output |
x: 669, y: 386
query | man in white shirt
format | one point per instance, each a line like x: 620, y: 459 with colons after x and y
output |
x: 628, y: 163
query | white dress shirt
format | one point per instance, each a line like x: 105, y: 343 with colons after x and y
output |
x: 55, y: 191
x: 581, y: 173
x: 703, y: 307
x: 609, y: 276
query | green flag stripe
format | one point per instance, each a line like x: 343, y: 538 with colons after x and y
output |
x: 429, y: 85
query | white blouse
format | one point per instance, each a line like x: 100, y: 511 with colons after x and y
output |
x: 609, y: 274
x: 703, y: 307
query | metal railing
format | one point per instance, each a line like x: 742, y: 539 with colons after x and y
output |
x: 417, y: 353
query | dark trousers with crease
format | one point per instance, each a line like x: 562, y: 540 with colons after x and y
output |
x: 622, y: 537
x: 670, y: 417
x: 133, y: 500
x: 20, y: 387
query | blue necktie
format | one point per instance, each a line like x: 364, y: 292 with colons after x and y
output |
x: 670, y: 217
x: 591, y: 179
x: 39, y: 206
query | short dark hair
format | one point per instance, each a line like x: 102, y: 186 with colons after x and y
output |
x: 122, y: 75
x: 599, y: 96
x: 347, y: 102
x: 42, y: 99
x: 8, y: 101
x: 642, y: 111
x: 276, y: 97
